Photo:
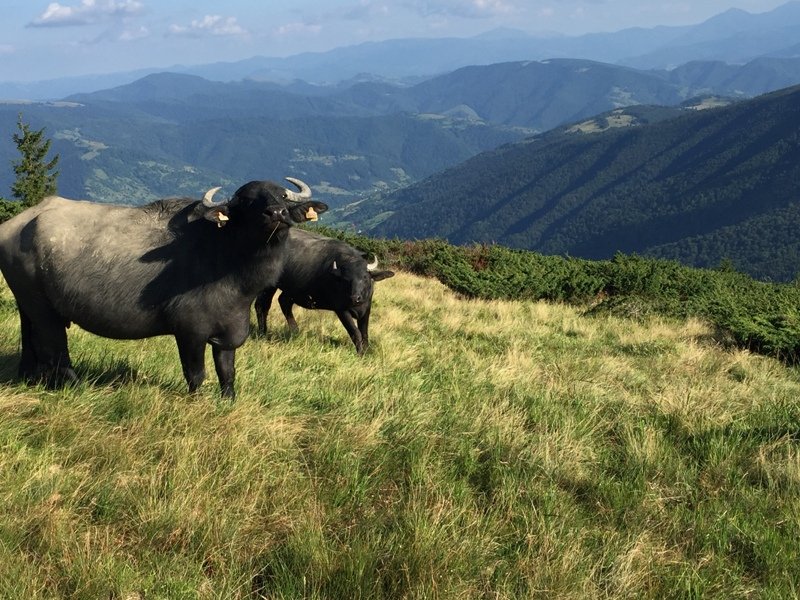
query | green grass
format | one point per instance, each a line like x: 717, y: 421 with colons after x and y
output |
x: 482, y: 449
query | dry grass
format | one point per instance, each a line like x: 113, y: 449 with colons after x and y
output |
x: 480, y: 450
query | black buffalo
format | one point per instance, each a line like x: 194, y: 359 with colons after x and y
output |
x: 177, y: 267
x: 320, y: 272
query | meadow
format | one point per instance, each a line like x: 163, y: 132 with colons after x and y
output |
x: 481, y: 449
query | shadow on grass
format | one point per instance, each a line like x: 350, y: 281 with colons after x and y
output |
x: 273, y: 335
x: 115, y: 374
x: 285, y: 335
x: 9, y: 363
x: 338, y: 342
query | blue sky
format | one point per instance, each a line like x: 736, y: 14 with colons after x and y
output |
x: 44, y: 40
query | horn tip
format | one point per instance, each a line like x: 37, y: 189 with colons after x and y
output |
x: 305, y: 190
x: 209, y: 195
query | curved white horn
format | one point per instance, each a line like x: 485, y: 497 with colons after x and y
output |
x: 207, y: 198
x: 303, y: 194
x: 373, y: 265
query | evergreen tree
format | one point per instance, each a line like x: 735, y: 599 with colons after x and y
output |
x: 35, y: 177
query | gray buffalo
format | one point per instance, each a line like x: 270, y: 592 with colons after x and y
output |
x: 179, y: 267
x: 324, y: 273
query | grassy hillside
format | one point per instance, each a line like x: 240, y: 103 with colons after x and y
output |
x: 481, y: 449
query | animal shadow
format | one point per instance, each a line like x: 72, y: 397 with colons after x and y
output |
x: 9, y: 364
x: 338, y: 342
x: 273, y: 335
x: 114, y: 374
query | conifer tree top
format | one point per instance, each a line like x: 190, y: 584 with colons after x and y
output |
x: 36, y: 177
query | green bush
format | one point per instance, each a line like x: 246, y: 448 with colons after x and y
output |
x: 760, y: 316
x: 9, y: 209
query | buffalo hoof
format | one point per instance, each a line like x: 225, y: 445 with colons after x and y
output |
x: 51, y: 377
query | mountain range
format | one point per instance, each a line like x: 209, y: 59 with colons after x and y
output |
x: 169, y: 133
x: 560, y: 155
x: 700, y: 186
x: 733, y: 37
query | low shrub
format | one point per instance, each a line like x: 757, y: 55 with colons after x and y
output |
x: 9, y: 209
x: 761, y: 316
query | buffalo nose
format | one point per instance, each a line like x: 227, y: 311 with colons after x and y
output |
x: 281, y: 213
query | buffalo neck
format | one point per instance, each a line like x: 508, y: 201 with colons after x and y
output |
x: 257, y: 259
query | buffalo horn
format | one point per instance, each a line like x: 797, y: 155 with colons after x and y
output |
x: 373, y: 265
x: 303, y: 194
x: 207, y: 199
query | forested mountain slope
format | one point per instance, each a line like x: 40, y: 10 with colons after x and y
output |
x: 708, y: 185
x: 119, y: 153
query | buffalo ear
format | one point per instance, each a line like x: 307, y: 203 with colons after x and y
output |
x: 300, y: 213
x: 378, y: 275
x: 218, y: 215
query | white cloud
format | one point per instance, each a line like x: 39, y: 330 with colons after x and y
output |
x: 209, y: 25
x: 87, y: 12
x: 473, y: 9
x: 492, y: 7
x: 130, y: 35
x: 298, y: 28
x: 365, y: 10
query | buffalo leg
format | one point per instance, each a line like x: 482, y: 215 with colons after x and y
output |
x: 263, y: 302
x: 286, y: 304
x: 224, y: 361
x: 363, y: 327
x: 27, y: 360
x: 350, y: 325
x: 192, y: 355
x: 46, y: 357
